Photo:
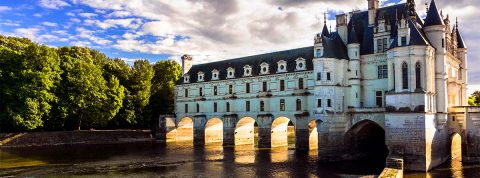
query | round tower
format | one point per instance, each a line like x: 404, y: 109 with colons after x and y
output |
x: 353, y: 48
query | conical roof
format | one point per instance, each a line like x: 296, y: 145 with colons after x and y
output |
x: 433, y: 17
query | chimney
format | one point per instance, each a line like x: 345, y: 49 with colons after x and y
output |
x: 342, y: 27
x: 373, y: 5
x: 186, y: 63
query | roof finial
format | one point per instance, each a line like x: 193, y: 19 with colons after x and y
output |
x: 325, y: 18
x: 456, y: 22
x: 426, y: 5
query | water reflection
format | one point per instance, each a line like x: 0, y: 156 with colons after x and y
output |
x: 175, y: 160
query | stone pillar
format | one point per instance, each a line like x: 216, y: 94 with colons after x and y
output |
x: 331, y: 138
x: 302, y: 133
x: 229, y: 123
x: 265, y: 130
x: 302, y: 139
x: 165, y: 129
x: 199, y: 130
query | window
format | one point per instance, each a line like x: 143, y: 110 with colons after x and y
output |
x: 215, y: 107
x: 200, y: 76
x: 356, y: 95
x: 379, y: 99
x: 319, y: 103
x: 319, y: 53
x: 200, y: 91
x: 404, y: 76
x: 247, y: 70
x: 282, y: 85
x: 329, y: 103
x: 328, y: 76
x: 300, y: 83
x: 418, y: 80
x: 264, y: 87
x: 264, y: 68
x: 382, y: 71
x: 228, y: 107
x: 379, y: 45
x: 385, y: 44
x: 299, y: 105
x: 282, y: 104
x: 404, y: 41
x: 247, y: 88
x: 186, y: 108
x: 215, y: 91
x: 230, y: 89
x: 186, y: 92
x: 300, y: 63
x: 247, y: 106
x: 215, y: 74
x: 319, y: 76
x: 262, y: 106
x: 443, y: 43
x: 231, y: 72
x: 198, y: 107
x: 282, y: 66
x: 356, y: 72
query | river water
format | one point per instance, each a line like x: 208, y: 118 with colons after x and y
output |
x: 185, y: 160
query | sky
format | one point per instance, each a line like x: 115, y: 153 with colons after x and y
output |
x: 209, y: 30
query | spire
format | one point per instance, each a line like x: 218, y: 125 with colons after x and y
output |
x: 433, y: 17
x: 352, y: 36
x: 461, y: 43
x: 325, y: 31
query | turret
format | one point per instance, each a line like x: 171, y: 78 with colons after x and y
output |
x: 462, y: 55
x: 353, y: 48
x: 318, y: 42
x: 434, y: 29
x: 373, y: 6
x: 186, y: 63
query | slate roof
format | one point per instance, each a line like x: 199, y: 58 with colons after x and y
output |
x: 334, y: 47
x: 254, y: 61
x: 417, y: 36
x: 433, y: 17
x: 461, y: 43
x: 325, y: 31
x: 352, y: 36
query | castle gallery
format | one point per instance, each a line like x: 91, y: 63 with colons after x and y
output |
x: 385, y: 74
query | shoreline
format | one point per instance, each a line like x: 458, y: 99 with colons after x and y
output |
x: 56, y: 138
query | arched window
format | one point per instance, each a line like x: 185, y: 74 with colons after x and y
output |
x: 417, y: 76
x: 299, y: 105
x: 404, y: 76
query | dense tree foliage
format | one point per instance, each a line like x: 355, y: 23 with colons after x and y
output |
x: 43, y: 88
x: 474, y: 99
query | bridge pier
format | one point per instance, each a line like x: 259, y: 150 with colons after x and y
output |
x: 165, y: 129
x: 302, y: 139
x: 229, y: 126
x: 265, y: 130
x: 199, y: 130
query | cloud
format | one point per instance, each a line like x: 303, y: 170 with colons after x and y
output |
x: 50, y: 24
x: 9, y: 23
x: 87, y: 15
x: 4, y: 8
x: 53, y: 4
x: 130, y: 23
x: 89, y: 35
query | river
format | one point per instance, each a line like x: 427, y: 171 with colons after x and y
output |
x: 185, y: 160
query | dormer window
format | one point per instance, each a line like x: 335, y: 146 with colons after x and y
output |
x: 201, y: 76
x: 247, y: 70
x: 282, y: 66
x: 230, y: 72
x: 186, y: 78
x: 215, y: 74
x: 264, y: 68
x: 301, y: 64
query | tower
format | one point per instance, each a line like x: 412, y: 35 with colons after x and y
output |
x: 353, y: 47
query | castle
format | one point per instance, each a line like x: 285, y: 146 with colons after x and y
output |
x: 385, y: 74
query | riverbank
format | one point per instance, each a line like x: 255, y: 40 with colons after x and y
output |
x: 74, y: 137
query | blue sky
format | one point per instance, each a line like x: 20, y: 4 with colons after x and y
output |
x: 208, y: 30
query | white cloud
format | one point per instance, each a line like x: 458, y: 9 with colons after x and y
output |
x: 9, y: 23
x: 75, y: 20
x: 120, y: 14
x: 53, y: 4
x: 50, y: 24
x: 71, y: 14
x: 80, y: 43
x: 4, y: 8
x: 87, y: 15
x: 130, y: 23
x: 89, y: 35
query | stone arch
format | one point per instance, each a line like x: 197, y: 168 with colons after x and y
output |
x: 214, y: 131
x: 313, y: 135
x: 456, y: 147
x: 185, y: 130
x: 245, y: 131
x: 280, y: 132
x: 366, y: 139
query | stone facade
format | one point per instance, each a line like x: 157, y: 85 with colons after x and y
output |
x: 384, y: 72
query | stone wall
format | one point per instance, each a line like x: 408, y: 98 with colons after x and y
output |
x: 75, y: 137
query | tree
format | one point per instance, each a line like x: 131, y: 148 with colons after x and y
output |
x: 28, y: 76
x: 163, y: 83
x: 86, y: 98
x: 474, y: 99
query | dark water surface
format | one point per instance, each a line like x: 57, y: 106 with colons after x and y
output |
x: 183, y: 160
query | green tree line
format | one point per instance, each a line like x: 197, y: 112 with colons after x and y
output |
x: 70, y: 88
